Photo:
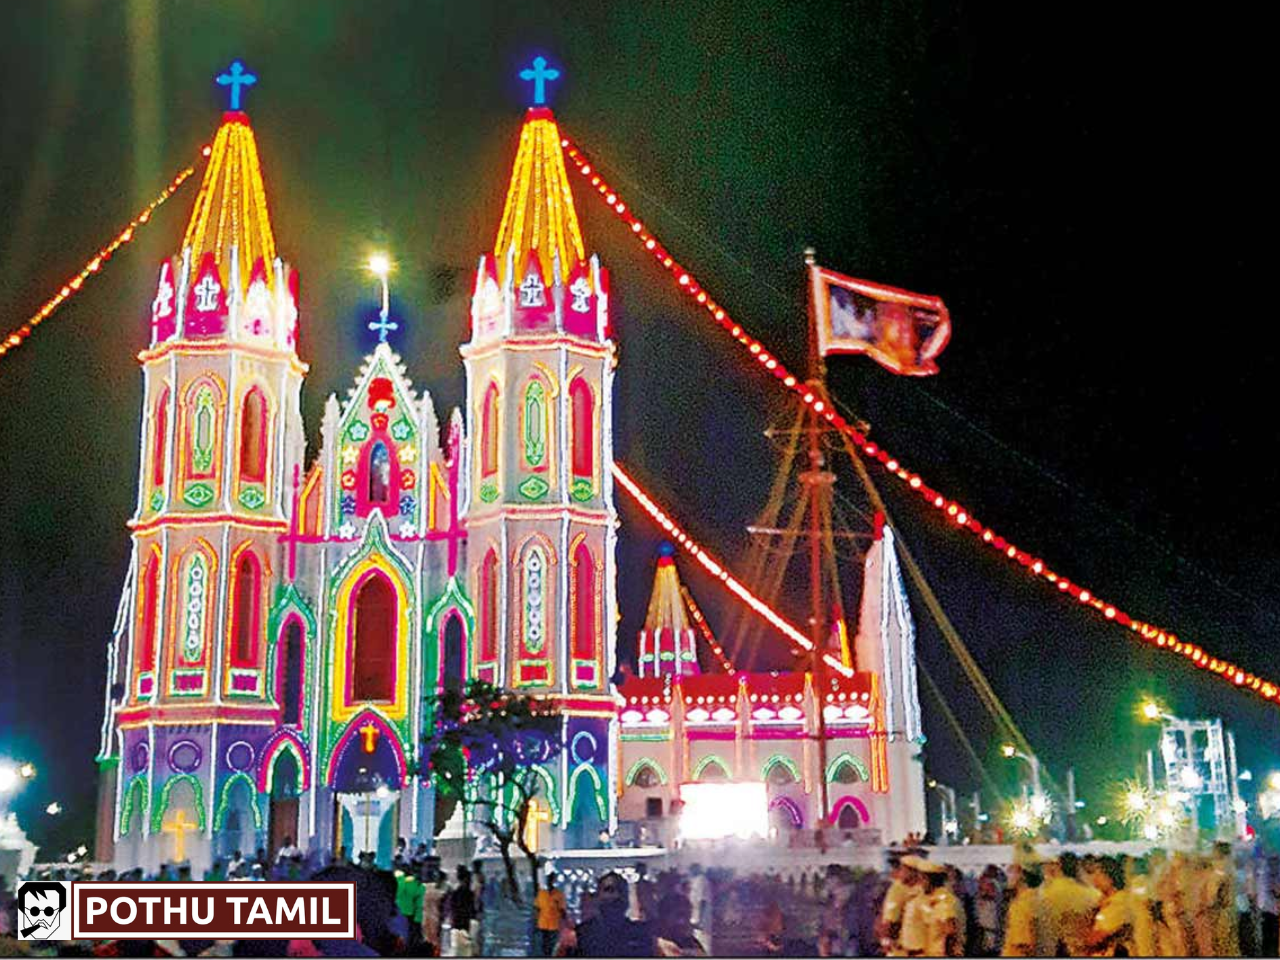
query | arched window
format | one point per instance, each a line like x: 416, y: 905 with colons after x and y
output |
x: 489, y: 606
x: 147, y: 627
x: 583, y: 410
x: 159, y: 438
x: 245, y: 614
x: 534, y: 596
x: 780, y: 774
x: 584, y: 604
x: 373, y: 661
x: 711, y: 771
x: 848, y: 818
x: 379, y: 473
x: 647, y: 777
x: 535, y: 425
x: 454, y: 667
x: 289, y: 672
x: 202, y: 430
x: 253, y: 437
x: 489, y: 426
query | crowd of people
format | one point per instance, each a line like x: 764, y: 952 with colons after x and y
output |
x: 1217, y: 904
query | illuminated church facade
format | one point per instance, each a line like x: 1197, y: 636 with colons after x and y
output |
x: 286, y: 619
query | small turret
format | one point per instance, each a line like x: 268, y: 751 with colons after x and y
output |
x: 667, y: 640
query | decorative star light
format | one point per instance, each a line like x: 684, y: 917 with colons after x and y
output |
x: 539, y: 74
x: 236, y: 78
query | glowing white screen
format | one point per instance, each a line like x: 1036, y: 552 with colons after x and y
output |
x: 715, y: 810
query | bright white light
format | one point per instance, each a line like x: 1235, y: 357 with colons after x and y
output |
x: 1273, y: 781
x: 1166, y: 818
x: 951, y: 826
x: 1150, y: 831
x: 382, y: 792
x: 1151, y: 710
x: 713, y: 811
x: 1101, y: 821
x: 1239, y: 806
x: 8, y: 778
x: 1136, y: 801
x: 1246, y: 775
x: 1190, y: 779
x: 27, y: 771
x: 53, y: 809
x: 1040, y: 805
x: 82, y: 849
x: 379, y: 264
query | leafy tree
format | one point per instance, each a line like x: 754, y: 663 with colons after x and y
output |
x: 493, y: 739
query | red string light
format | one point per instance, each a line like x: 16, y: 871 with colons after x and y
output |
x: 717, y: 569
x: 19, y: 336
x: 704, y: 628
x: 958, y: 514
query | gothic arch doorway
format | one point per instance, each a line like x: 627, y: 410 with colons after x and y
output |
x: 286, y: 780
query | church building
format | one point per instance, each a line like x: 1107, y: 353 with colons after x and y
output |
x: 287, y: 615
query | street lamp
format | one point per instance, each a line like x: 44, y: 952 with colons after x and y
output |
x: 1011, y: 752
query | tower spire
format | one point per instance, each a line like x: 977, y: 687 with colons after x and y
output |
x: 230, y: 218
x: 539, y: 216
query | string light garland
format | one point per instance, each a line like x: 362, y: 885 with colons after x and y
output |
x: 704, y: 628
x: 19, y: 336
x: 718, y: 570
x: 956, y: 512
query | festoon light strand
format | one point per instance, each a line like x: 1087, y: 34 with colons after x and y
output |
x: 69, y: 289
x: 956, y: 512
x: 717, y: 570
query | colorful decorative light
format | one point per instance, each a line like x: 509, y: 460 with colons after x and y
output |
x: 704, y: 628
x: 956, y: 512
x: 767, y: 613
x: 72, y: 286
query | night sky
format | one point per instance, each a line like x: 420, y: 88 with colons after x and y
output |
x: 1086, y: 193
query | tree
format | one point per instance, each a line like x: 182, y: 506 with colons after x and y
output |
x: 493, y: 740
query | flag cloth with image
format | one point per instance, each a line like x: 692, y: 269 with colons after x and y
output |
x: 900, y: 330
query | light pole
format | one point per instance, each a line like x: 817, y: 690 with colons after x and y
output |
x: 380, y: 265
x: 1011, y: 752
x: 950, y: 812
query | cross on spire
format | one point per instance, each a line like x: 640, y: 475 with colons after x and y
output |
x: 539, y: 73
x: 235, y: 78
x: 382, y: 326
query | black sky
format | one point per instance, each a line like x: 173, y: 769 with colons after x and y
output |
x: 1085, y: 188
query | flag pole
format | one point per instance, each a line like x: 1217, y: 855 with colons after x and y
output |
x: 814, y: 475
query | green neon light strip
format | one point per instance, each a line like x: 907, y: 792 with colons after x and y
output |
x: 640, y: 765
x: 707, y: 761
x: 224, y: 802
x: 834, y: 767
x: 157, y: 815
x: 601, y: 806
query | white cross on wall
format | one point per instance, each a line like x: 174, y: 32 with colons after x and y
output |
x: 581, y: 290
x: 207, y: 294
x: 161, y: 305
x: 532, y: 292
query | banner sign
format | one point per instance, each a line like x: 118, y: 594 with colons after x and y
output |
x: 221, y: 911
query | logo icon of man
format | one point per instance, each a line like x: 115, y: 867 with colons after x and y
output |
x: 40, y: 909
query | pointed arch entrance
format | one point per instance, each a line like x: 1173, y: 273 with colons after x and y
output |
x: 366, y: 773
x: 285, y: 788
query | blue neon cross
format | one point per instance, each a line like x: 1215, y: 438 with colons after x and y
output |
x: 383, y: 326
x: 539, y: 74
x: 237, y: 77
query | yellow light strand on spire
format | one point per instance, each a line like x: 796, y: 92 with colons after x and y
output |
x: 539, y: 214
x: 233, y: 184
x: 19, y: 336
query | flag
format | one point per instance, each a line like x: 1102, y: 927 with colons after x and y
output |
x: 900, y: 330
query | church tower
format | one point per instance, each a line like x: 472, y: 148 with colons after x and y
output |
x: 221, y: 439
x: 540, y: 511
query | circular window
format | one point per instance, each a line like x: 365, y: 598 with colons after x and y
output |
x: 140, y: 756
x: 240, y: 756
x: 184, y: 756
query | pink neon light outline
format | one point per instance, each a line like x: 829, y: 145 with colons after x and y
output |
x: 255, y: 611
x: 272, y: 749
x: 353, y: 729
x: 792, y: 808
x: 857, y: 805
